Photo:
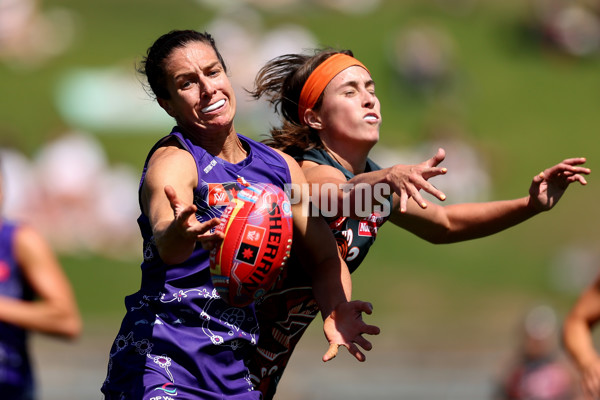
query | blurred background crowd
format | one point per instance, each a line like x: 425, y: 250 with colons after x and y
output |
x: 71, y: 170
x: 505, y: 87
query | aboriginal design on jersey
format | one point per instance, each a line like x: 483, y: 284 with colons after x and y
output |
x: 290, y: 310
x: 178, y: 337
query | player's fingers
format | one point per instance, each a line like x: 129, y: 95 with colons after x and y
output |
x: 580, y: 170
x: 575, y: 160
x: 363, y: 306
x: 216, y: 237
x: 581, y: 179
x: 429, y: 188
x: 418, y: 198
x: 371, y: 330
x: 203, y: 230
x: 539, y: 177
x: 432, y: 172
x: 567, y: 168
x: 577, y: 178
x: 591, y: 389
x: 186, y: 212
x: 364, y: 343
x: 594, y: 382
x: 211, y: 240
x: 353, y: 349
x: 212, y: 222
x: 437, y: 158
x: 208, y: 244
x: 331, y: 352
x: 403, y: 201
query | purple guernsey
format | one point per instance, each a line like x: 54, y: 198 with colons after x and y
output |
x: 178, y: 339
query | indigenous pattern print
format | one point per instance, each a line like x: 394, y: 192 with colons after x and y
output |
x: 178, y: 338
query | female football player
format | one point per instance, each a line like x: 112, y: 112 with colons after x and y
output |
x: 331, y: 119
x: 178, y: 336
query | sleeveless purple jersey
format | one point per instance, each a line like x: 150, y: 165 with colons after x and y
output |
x: 178, y: 339
x: 16, y: 380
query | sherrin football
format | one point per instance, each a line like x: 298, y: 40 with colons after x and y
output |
x: 258, y: 230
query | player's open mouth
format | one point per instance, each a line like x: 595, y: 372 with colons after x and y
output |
x: 213, y: 106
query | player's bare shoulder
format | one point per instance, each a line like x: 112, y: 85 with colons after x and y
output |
x: 315, y: 172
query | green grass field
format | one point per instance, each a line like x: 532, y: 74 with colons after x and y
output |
x: 525, y: 107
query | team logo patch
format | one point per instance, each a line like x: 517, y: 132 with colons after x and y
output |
x: 168, y: 388
x: 251, y: 242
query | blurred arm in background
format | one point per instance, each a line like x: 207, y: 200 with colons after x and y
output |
x: 578, y: 341
x: 54, y: 309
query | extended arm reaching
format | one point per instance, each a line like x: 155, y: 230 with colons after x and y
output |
x: 459, y: 222
x: 167, y: 198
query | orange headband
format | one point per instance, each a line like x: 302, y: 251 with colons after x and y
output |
x: 320, y: 78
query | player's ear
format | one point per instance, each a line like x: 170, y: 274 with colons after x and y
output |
x: 312, y: 119
x: 166, y: 105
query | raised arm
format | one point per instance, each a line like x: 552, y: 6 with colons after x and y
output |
x: 167, y: 199
x: 373, y: 188
x: 331, y: 282
x: 578, y: 342
x: 459, y: 222
x: 54, y: 309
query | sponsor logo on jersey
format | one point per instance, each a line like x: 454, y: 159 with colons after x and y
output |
x: 210, y: 166
x: 168, y: 388
x: 369, y: 225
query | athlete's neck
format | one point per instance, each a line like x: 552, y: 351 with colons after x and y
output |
x: 354, y: 160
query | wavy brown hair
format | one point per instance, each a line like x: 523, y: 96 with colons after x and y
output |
x: 281, y: 81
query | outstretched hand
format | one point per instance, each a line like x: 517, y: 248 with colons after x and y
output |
x: 590, y: 380
x: 549, y: 185
x: 189, y: 227
x: 344, y: 327
x: 407, y: 180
